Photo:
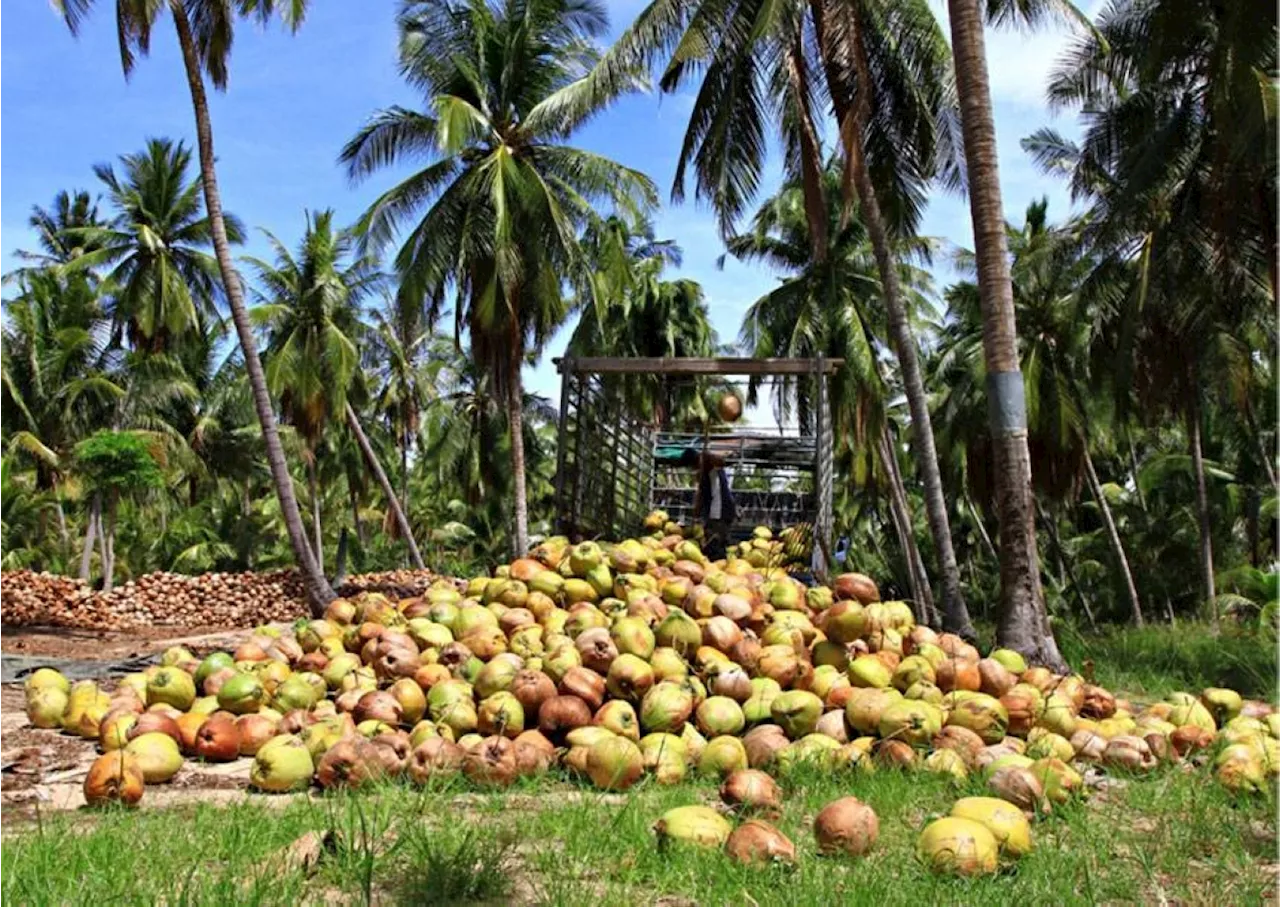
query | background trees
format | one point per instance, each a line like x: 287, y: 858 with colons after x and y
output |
x: 205, y: 29
x: 505, y: 196
x: 1142, y: 329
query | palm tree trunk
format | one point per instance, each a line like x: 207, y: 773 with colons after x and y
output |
x: 810, y: 151
x: 983, y: 535
x: 1065, y: 568
x: 955, y: 615
x: 318, y: 591
x: 355, y: 512
x: 853, y: 123
x: 340, y: 560
x: 1264, y: 455
x: 1133, y: 465
x: 1252, y: 526
x: 1024, y: 622
x: 109, y: 543
x: 317, y: 528
x: 1202, y: 508
x: 104, y: 553
x: 515, y: 424
x: 404, y: 473
x: 86, y: 552
x: 372, y: 459
x: 901, y: 513
x: 62, y: 521
x: 1113, y: 536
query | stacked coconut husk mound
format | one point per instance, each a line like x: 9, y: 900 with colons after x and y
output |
x: 173, y: 599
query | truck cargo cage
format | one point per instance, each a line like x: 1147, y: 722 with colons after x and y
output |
x: 615, y: 464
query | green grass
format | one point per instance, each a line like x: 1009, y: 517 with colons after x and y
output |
x: 1160, y: 659
x: 1175, y: 835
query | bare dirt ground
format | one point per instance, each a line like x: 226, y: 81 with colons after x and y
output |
x: 45, y: 770
x: 105, y: 645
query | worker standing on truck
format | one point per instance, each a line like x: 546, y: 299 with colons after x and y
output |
x: 713, y: 505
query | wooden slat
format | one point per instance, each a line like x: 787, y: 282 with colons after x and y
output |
x: 608, y: 365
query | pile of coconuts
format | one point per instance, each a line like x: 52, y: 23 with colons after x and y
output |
x: 174, y: 599
x: 644, y: 660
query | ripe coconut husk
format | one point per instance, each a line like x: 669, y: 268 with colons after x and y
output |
x: 729, y: 407
x: 434, y: 756
x: 749, y: 790
x: 493, y: 762
x: 1021, y: 788
x: 846, y: 826
x: 756, y: 841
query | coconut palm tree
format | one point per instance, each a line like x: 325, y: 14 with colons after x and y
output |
x: 1060, y: 292
x: 69, y: 211
x: 155, y: 246
x: 502, y: 199
x: 1178, y: 160
x: 24, y: 517
x: 1024, y: 622
x: 830, y: 304
x: 58, y: 376
x: 885, y: 70
x: 406, y: 373
x: 465, y: 441
x: 647, y: 316
x: 312, y: 311
x: 205, y: 29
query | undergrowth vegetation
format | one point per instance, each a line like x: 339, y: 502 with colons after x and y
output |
x: 1152, y: 661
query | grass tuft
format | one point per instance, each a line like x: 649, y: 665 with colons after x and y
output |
x: 440, y: 867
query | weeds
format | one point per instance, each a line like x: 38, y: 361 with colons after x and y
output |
x: 444, y: 868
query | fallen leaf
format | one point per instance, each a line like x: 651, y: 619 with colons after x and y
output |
x: 304, y: 853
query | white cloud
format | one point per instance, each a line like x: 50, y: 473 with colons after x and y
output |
x: 1019, y: 62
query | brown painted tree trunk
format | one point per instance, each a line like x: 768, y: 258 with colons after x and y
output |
x: 1024, y: 622
x: 1202, y: 509
x: 90, y: 532
x: 853, y: 122
x: 515, y: 425
x: 318, y: 591
x: 317, y: 526
x: 1113, y: 536
x: 353, y: 422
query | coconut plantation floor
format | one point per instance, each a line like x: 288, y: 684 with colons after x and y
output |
x: 1173, y: 836
x: 1170, y: 837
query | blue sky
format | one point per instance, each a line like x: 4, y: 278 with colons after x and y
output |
x: 294, y: 100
